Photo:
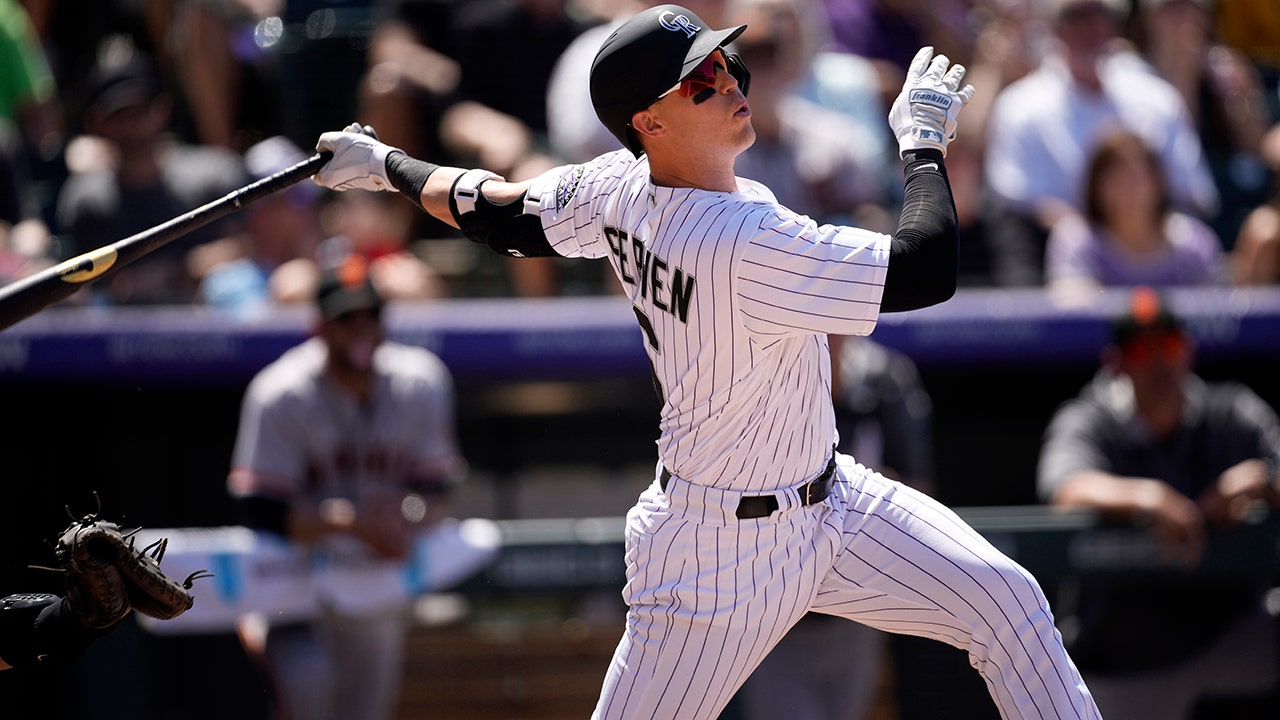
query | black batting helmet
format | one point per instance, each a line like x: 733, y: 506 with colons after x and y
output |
x: 646, y: 56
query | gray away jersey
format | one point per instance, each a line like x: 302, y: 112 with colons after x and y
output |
x: 735, y: 295
x: 300, y: 434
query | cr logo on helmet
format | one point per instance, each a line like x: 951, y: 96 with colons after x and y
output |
x: 678, y: 23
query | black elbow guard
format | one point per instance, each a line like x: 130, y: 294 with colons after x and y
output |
x: 512, y: 228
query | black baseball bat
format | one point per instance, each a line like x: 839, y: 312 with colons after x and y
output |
x: 27, y: 296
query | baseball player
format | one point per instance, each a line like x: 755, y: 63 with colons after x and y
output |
x: 751, y: 520
x: 346, y: 446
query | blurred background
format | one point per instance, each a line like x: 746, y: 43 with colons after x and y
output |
x: 1110, y: 145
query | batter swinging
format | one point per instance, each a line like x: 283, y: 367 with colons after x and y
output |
x: 751, y: 520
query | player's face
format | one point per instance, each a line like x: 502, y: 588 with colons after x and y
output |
x: 706, y: 110
x: 352, y: 337
x: 1157, y: 362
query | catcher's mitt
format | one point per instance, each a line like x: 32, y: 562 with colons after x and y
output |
x: 106, y: 575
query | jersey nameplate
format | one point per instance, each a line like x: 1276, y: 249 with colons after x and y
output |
x: 670, y: 289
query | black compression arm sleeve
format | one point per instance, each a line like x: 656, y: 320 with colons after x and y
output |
x: 409, y: 175
x: 923, y: 255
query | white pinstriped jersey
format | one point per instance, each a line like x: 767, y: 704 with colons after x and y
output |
x: 735, y: 295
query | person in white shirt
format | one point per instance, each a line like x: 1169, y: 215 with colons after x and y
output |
x: 1043, y: 128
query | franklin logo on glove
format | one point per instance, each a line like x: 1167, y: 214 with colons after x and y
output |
x: 929, y: 97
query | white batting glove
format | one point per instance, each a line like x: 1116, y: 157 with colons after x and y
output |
x: 359, y: 160
x: 924, y: 114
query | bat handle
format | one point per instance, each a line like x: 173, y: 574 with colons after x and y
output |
x: 280, y: 180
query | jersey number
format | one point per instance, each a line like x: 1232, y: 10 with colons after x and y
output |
x: 652, y: 337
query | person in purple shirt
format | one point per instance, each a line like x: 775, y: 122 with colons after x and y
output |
x: 1128, y: 233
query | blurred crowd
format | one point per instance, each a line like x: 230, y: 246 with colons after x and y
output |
x: 1111, y: 142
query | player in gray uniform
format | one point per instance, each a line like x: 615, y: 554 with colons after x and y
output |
x: 752, y: 520
x: 346, y: 446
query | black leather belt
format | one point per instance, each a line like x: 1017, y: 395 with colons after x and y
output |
x: 758, y: 506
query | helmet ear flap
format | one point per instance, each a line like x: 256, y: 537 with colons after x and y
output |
x: 633, y: 140
x: 738, y: 70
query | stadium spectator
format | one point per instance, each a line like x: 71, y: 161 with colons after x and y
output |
x: 28, y: 91
x: 818, y: 161
x: 440, y: 84
x: 1043, y: 127
x: 215, y: 61
x: 1253, y: 26
x: 1009, y: 35
x: 140, y: 178
x: 1255, y: 259
x: 235, y: 272
x: 1129, y: 233
x: 251, y: 69
x: 884, y: 31
x: 72, y: 33
x: 365, y: 224
x: 1151, y: 444
x: 32, y: 136
x: 1224, y: 94
x: 26, y: 245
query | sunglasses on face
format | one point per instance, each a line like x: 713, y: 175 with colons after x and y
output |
x: 1166, y: 346
x: 702, y: 78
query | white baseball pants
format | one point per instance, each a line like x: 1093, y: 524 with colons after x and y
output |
x: 710, y: 595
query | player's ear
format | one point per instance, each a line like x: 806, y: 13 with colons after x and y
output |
x: 647, y: 123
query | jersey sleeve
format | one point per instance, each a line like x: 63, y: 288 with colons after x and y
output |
x: 798, y: 277
x: 1249, y: 425
x: 439, y: 459
x: 1073, y: 441
x: 264, y: 460
x: 571, y: 200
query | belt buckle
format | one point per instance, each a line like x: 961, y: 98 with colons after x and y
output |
x: 804, y: 499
